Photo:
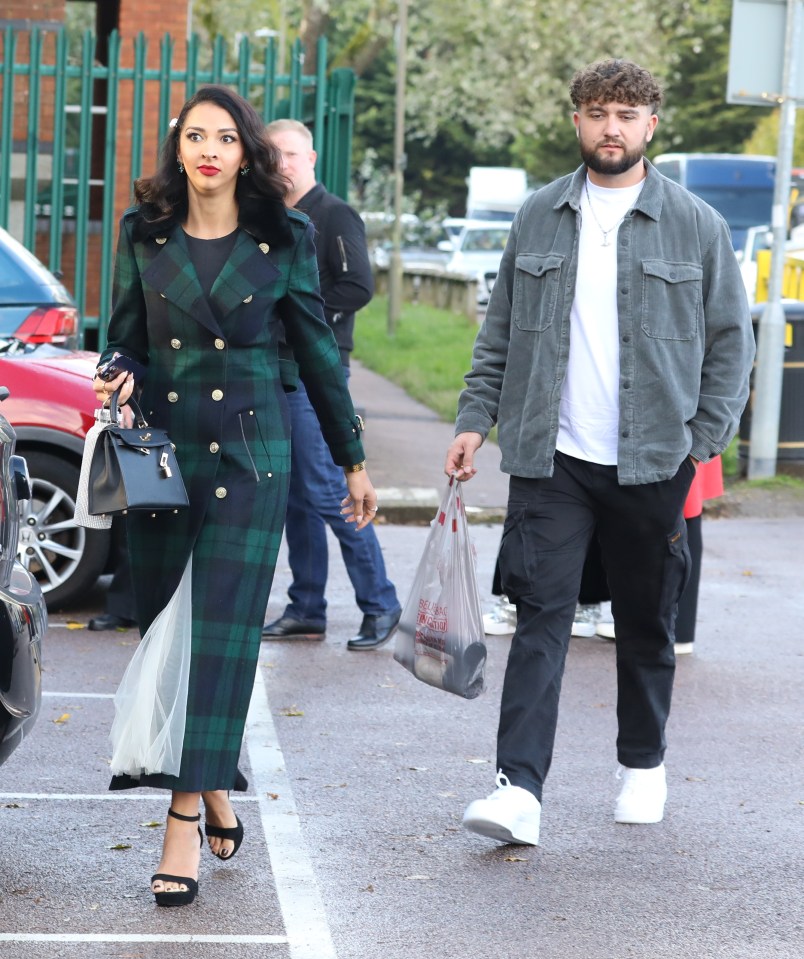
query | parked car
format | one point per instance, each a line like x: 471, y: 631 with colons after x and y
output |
x: 23, y: 615
x: 35, y: 306
x: 51, y: 408
x: 477, y: 252
x: 422, y: 248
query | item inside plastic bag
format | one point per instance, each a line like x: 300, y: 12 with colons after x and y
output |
x: 440, y: 637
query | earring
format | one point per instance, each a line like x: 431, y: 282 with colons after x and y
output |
x: 181, y: 166
x: 244, y: 170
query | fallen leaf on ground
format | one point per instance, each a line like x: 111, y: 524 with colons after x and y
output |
x: 514, y: 859
x: 478, y: 761
x: 72, y: 625
x: 291, y: 711
x: 418, y: 769
x: 62, y: 719
x: 121, y: 845
x: 153, y: 824
x: 272, y: 795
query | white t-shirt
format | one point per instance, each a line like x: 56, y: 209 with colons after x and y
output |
x: 590, y: 406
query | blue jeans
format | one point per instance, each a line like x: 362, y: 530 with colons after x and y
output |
x: 317, y: 487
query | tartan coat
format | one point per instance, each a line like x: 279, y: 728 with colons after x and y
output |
x: 216, y: 386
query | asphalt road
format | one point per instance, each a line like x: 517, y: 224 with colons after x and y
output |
x: 359, y: 775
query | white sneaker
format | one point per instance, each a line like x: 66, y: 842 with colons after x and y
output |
x: 586, y: 617
x: 509, y: 814
x: 643, y: 795
x: 682, y: 649
x: 501, y: 621
x: 605, y: 625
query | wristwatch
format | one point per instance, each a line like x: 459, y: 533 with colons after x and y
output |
x: 356, y: 468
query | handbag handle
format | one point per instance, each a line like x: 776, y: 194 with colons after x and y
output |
x: 135, y: 406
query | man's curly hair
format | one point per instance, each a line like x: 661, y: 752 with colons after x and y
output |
x: 615, y: 81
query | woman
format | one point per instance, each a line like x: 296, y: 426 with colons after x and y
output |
x: 211, y: 273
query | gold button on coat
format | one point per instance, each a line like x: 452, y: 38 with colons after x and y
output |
x: 176, y: 344
x: 161, y: 239
x: 217, y: 395
x: 173, y: 397
x: 163, y: 296
x: 213, y: 447
x: 220, y: 492
x: 249, y: 298
x: 220, y: 344
x: 264, y: 247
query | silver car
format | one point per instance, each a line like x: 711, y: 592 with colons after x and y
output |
x: 477, y: 252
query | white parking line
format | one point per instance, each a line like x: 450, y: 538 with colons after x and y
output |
x: 300, y: 901
x: 307, y: 930
x: 66, y: 937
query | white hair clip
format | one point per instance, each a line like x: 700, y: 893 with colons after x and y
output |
x: 173, y: 122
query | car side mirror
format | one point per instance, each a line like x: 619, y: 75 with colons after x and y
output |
x: 446, y: 246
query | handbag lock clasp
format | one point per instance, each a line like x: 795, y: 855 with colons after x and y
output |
x: 163, y: 464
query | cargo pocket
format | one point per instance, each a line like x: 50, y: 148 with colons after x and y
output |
x: 677, y: 568
x: 537, y: 284
x: 672, y: 299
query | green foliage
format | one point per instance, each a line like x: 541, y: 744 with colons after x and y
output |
x: 428, y: 356
x: 765, y: 138
x: 696, y: 116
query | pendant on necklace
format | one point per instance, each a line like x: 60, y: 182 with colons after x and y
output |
x: 605, y: 239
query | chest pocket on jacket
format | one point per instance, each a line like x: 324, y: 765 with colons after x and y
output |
x: 672, y: 299
x: 537, y: 283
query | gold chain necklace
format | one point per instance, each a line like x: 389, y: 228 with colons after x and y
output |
x: 611, y: 229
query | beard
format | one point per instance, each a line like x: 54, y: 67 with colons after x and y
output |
x: 612, y: 165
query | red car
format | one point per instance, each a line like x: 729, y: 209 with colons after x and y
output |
x: 51, y: 407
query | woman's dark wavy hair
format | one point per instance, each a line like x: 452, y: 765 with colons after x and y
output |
x: 164, y: 195
x: 616, y: 81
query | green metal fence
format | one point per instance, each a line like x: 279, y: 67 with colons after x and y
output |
x: 60, y: 116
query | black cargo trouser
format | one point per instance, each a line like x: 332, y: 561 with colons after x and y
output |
x: 642, y: 536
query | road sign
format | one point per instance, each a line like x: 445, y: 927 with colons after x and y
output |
x: 755, y: 56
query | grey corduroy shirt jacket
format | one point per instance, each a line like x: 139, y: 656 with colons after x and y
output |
x: 686, y: 341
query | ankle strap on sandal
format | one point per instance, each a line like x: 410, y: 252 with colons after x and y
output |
x: 178, y: 815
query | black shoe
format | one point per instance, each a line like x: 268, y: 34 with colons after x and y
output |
x: 181, y: 897
x: 286, y: 627
x: 375, y: 631
x: 101, y: 623
x: 233, y: 834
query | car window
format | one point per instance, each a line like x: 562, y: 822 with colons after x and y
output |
x: 23, y: 279
x: 491, y: 240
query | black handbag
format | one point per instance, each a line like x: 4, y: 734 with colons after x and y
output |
x: 134, y: 469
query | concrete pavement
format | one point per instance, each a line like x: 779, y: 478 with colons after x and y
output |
x: 359, y: 775
x: 406, y: 444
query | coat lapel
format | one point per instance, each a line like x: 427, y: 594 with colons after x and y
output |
x: 172, y: 274
x: 247, y: 270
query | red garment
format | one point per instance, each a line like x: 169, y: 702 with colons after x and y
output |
x: 708, y: 484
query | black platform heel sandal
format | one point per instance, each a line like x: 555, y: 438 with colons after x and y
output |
x: 232, y: 833
x: 180, y: 897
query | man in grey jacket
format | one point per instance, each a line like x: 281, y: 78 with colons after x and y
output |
x: 614, y: 357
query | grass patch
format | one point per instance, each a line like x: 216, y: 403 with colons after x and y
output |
x: 428, y: 355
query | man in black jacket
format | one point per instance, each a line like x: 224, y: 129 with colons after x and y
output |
x: 317, y: 485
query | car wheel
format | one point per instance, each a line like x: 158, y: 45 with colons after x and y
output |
x: 66, y: 559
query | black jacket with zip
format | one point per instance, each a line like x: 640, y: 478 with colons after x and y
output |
x: 347, y: 283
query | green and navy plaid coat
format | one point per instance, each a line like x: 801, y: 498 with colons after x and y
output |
x: 216, y: 388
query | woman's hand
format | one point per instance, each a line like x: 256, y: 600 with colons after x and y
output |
x: 360, y: 506
x: 103, y: 389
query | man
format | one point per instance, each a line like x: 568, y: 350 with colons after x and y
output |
x: 614, y: 355
x: 317, y: 485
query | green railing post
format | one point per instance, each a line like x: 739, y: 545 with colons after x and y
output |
x: 138, y: 104
x: 84, y: 170
x: 109, y: 184
x: 320, y: 109
x: 295, y: 91
x: 32, y: 139
x: 165, y: 73
x: 269, y: 82
x: 59, y: 153
x: 7, y: 124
